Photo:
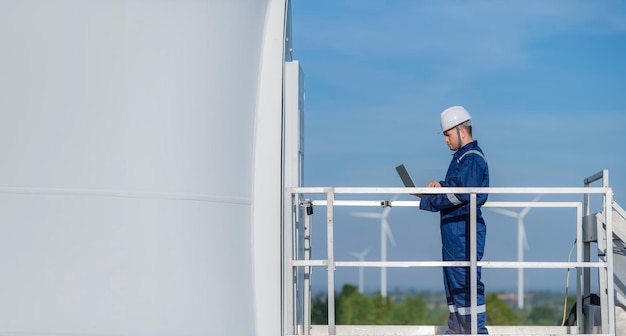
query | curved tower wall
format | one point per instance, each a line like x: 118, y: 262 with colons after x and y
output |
x: 128, y: 135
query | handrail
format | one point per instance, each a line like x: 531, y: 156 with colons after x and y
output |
x: 330, y: 202
x: 446, y: 190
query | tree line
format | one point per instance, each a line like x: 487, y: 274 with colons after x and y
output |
x: 354, y: 308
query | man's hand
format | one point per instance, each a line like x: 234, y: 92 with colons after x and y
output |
x: 431, y: 184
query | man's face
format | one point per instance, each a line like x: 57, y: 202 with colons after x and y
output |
x: 451, y: 137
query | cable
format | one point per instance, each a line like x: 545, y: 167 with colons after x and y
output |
x: 567, y: 284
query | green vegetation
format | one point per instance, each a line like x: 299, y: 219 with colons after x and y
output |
x: 499, y: 313
x: 427, y: 308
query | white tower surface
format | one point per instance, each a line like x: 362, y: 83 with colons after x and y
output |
x: 385, y: 233
x: 140, y: 184
x: 522, y: 243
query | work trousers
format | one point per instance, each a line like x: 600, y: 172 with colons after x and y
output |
x: 456, y: 246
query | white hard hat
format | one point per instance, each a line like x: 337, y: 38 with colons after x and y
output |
x: 454, y: 116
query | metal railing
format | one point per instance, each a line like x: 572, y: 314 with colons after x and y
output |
x: 301, y: 229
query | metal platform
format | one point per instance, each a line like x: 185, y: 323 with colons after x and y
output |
x: 322, y: 330
x: 600, y: 235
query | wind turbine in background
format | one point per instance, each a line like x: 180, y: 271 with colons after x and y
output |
x: 522, y: 244
x: 361, y: 257
x: 385, y: 233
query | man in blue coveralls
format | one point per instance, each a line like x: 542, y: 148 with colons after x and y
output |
x: 467, y: 169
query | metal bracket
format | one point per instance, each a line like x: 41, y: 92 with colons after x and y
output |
x: 308, y: 206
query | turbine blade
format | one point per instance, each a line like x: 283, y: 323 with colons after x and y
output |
x: 527, y: 209
x: 524, y: 212
x: 388, y: 233
x: 385, y: 212
x: 360, y: 255
x: 524, y: 238
x: 366, y: 251
x: 366, y: 214
x: 504, y: 212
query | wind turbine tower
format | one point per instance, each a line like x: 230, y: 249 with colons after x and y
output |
x: 361, y: 257
x: 385, y: 233
x: 522, y: 243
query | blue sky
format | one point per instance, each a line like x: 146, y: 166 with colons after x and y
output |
x: 545, y: 82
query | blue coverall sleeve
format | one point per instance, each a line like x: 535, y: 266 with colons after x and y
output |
x: 471, y: 173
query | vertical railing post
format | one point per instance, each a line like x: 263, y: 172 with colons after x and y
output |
x: 579, y: 271
x: 289, y: 241
x: 330, y: 199
x: 608, y: 218
x: 296, y: 282
x: 308, y: 270
x: 473, y: 263
x: 602, y: 234
x: 586, y: 290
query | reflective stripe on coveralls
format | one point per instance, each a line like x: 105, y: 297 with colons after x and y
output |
x: 468, y: 310
x: 451, y: 197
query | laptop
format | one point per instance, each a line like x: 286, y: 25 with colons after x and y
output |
x: 405, y: 176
